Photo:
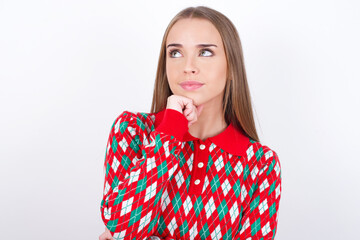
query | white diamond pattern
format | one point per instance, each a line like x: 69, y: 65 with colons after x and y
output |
x: 211, y: 147
x: 216, y: 234
x: 193, y: 231
x: 246, y: 225
x: 126, y: 206
x: 165, y: 200
x: 254, y: 172
x: 268, y: 154
x: 187, y: 205
x: 134, y: 176
x: 219, y: 163
x: 107, y: 213
x: 150, y: 164
x: 172, y: 226
x: 131, y: 131
x: 243, y: 193
x: 190, y: 161
x: 123, y: 144
x: 179, y: 177
x: 277, y: 169
x: 117, y: 126
x: 206, y: 184
x: 150, y: 192
x: 234, y: 212
x: 144, y: 221
x: 166, y: 148
x: 263, y: 206
x: 265, y: 229
x: 264, y: 185
x: 277, y: 190
x: 210, y: 207
x: 250, y: 152
x: 239, y: 168
x: 226, y: 186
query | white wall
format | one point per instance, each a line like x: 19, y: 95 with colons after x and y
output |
x: 69, y: 68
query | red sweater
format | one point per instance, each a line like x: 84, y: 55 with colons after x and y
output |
x: 161, y: 181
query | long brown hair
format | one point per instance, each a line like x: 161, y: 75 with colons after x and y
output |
x: 237, y: 107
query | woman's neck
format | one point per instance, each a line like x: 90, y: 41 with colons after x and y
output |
x: 210, y: 123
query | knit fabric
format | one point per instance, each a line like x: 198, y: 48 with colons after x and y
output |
x: 161, y: 181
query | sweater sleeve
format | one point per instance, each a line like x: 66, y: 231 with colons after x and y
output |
x: 260, y: 215
x: 132, y: 196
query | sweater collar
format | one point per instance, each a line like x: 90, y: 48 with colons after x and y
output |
x: 231, y: 139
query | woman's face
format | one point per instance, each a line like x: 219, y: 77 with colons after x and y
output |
x: 189, y: 61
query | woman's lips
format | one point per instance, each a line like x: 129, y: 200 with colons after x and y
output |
x: 191, y: 85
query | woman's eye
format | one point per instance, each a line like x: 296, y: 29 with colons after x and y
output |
x: 206, y: 50
x: 171, y: 53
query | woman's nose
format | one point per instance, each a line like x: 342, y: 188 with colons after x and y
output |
x: 190, y: 65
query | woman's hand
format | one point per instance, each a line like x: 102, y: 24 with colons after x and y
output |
x: 106, y: 235
x: 185, y: 106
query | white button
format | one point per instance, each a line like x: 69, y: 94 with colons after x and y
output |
x: 200, y: 165
x: 202, y: 146
x: 197, y: 182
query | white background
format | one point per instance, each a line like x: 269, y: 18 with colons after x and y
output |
x: 69, y: 68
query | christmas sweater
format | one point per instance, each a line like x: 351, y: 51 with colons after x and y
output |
x: 163, y: 183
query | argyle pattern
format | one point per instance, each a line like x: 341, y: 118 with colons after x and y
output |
x: 148, y: 175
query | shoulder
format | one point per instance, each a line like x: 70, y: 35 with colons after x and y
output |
x: 134, y: 123
x: 264, y: 158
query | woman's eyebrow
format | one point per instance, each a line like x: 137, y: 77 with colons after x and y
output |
x: 198, y: 45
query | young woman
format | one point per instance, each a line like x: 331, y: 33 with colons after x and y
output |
x: 192, y: 168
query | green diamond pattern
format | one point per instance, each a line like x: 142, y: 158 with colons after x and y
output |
x: 254, y: 203
x: 252, y: 189
x: 237, y: 188
x: 210, y: 163
x: 271, y: 167
x: 114, y: 144
x: 158, y: 196
x: 123, y: 126
x: 222, y: 209
x: 227, y: 235
x: 184, y: 228
x: 141, y: 185
x: 115, y: 182
x: 259, y: 153
x: 204, y: 232
x: 111, y: 225
x: 198, y: 206
x: 215, y: 183
x: 272, y: 209
x: 162, y: 225
x: 246, y: 172
x: 107, y: 169
x: 158, y: 143
x: 255, y: 227
x: 272, y: 187
x: 176, y: 202
x: 134, y: 144
x: 182, y: 159
x: 153, y: 223
x: 135, y: 216
x: 125, y: 161
x: 140, y: 124
x: 162, y: 169
x: 191, y: 145
x: 120, y: 196
x: 228, y: 168
x: 187, y: 182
